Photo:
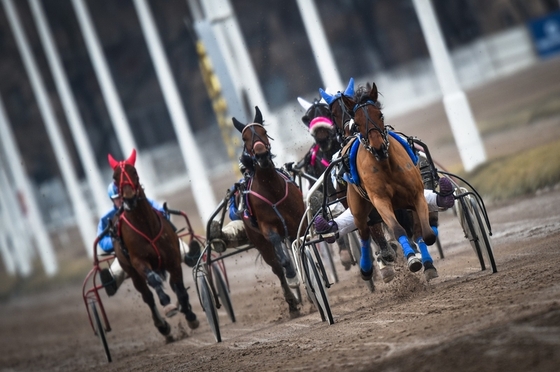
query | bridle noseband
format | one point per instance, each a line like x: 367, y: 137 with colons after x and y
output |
x: 256, y: 138
x: 383, y: 152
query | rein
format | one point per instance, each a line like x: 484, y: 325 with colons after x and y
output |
x: 151, y: 241
x: 383, y: 152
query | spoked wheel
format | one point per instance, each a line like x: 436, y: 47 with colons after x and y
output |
x: 327, y: 258
x: 440, y: 249
x: 316, y: 282
x: 100, y: 330
x: 475, y: 230
x: 223, y: 290
x: 482, y: 234
x: 209, y: 305
x: 356, y: 251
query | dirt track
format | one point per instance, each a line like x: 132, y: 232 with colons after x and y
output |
x: 466, y: 320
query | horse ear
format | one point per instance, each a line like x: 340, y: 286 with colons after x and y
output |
x: 305, y: 104
x: 258, y: 116
x: 112, y: 162
x: 350, y: 88
x: 132, y: 158
x: 373, y: 92
x: 348, y: 102
x: 327, y: 97
x: 238, y: 125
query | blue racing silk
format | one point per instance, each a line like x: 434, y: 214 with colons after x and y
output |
x: 106, y: 243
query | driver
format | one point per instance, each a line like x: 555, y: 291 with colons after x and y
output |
x: 113, y: 277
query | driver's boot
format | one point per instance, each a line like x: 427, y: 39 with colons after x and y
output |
x: 190, y: 253
x: 112, y: 278
x: 231, y: 236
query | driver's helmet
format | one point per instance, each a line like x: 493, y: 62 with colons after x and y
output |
x: 112, y: 191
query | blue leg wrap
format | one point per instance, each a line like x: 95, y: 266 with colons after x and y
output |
x: 366, y: 264
x: 434, y: 228
x: 424, y: 251
x: 407, y: 249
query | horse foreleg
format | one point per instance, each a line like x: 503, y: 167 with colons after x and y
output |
x: 178, y: 287
x: 270, y: 258
x: 140, y: 284
x: 156, y: 282
x: 430, y: 271
x: 385, y: 209
x: 276, y: 240
x: 378, y: 235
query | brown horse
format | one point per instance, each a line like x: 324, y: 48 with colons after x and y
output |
x: 276, y: 207
x: 343, y: 118
x: 388, y: 180
x: 149, y: 247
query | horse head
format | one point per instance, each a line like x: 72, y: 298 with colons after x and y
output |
x: 318, y: 120
x: 341, y: 115
x: 369, y: 121
x: 126, y: 178
x: 255, y: 140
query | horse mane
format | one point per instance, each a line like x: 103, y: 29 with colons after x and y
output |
x: 362, y: 96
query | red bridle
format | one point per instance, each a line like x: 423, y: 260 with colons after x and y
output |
x: 125, y: 178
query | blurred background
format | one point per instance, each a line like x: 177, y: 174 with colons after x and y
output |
x: 81, y: 79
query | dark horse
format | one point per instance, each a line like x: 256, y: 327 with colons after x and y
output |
x: 388, y: 180
x: 276, y: 207
x: 318, y: 119
x: 149, y: 247
x: 343, y: 118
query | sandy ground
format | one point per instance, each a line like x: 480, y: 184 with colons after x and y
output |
x: 466, y: 320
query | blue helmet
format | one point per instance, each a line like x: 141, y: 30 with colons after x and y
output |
x: 113, y: 191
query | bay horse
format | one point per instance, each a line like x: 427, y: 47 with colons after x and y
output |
x: 275, y: 206
x: 388, y: 180
x: 343, y: 118
x: 149, y: 247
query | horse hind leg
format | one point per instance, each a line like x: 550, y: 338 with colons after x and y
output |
x: 183, y: 298
x: 159, y: 322
x: 156, y: 282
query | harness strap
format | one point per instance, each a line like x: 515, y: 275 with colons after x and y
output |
x: 314, y: 152
x: 272, y: 205
x: 151, y: 241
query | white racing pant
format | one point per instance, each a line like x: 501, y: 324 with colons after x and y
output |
x: 345, y: 221
x: 117, y: 270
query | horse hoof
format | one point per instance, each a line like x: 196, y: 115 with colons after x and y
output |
x: 193, y: 324
x: 294, y: 314
x: 414, y: 263
x: 165, y: 329
x: 170, y: 310
x: 430, y: 274
x: 293, y: 282
x: 366, y: 275
x: 388, y: 254
x: 387, y: 274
